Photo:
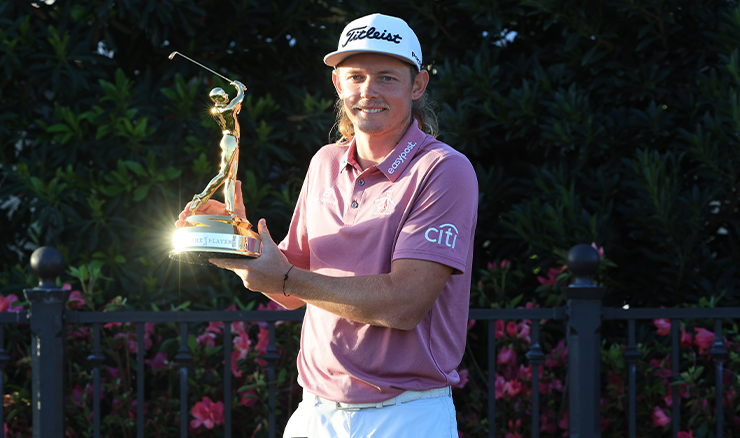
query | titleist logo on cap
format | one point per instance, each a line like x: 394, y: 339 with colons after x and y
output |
x: 359, y: 33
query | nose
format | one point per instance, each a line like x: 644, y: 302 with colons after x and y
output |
x: 368, y: 89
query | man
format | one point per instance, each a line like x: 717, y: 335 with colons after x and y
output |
x: 379, y: 250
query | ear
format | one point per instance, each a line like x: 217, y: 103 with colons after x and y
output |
x: 335, y: 80
x: 420, y: 84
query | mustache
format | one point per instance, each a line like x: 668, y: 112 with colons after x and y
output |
x: 370, y: 104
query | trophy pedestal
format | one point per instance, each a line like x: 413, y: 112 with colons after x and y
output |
x: 209, y: 236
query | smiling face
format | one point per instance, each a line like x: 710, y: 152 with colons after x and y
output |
x: 377, y: 93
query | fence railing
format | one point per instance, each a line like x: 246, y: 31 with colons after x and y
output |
x: 583, y: 316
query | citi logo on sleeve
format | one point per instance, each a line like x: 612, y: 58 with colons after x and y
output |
x: 445, y: 235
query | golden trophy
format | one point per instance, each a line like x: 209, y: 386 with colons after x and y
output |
x: 208, y: 236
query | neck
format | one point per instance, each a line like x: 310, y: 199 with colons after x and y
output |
x: 371, y: 149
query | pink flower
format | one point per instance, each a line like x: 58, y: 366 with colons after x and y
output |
x: 215, y: 327
x: 505, y: 264
x: 208, y: 339
x: 513, y: 387
x: 511, y: 329
x: 663, y: 325
x: 563, y: 423
x: 660, y: 419
x: 686, y: 339
x: 552, y: 276
x: 207, y: 413
x: 704, y: 339
x: 263, y: 339
x: 689, y: 434
x: 523, y: 332
x: 513, y: 435
x: 471, y: 323
x: 499, y: 328
x: 158, y: 362
x: 79, y: 332
x: 557, y: 356
x: 599, y: 249
x: 242, y: 343
x: 546, y: 424
x: 235, y: 357
x: 500, y: 386
x: 76, y: 301
x: 6, y: 304
x: 463, y: 379
x: 248, y: 398
x: 507, y: 355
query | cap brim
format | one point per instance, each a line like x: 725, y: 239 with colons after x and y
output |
x: 335, y: 58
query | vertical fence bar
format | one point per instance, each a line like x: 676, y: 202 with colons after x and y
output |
x: 718, y: 353
x: 4, y: 359
x: 535, y: 357
x: 632, y: 355
x: 227, y: 380
x: 584, y: 343
x: 96, y: 358
x: 676, y: 408
x: 140, y: 380
x: 492, y: 379
x: 271, y: 357
x: 183, y: 359
x: 47, y: 350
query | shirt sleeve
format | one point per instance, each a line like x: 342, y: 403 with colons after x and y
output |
x: 441, y: 224
x: 295, y: 244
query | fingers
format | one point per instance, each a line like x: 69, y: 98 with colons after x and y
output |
x: 228, y: 263
x: 264, y: 232
x: 239, y: 207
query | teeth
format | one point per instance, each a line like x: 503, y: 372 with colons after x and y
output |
x: 372, y: 110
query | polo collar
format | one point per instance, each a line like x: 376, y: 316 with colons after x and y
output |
x: 396, y: 162
x: 406, y: 149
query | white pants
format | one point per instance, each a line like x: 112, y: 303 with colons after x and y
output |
x: 427, y: 418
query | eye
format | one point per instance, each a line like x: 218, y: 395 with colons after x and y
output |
x: 386, y: 78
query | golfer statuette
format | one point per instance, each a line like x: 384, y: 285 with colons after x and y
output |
x: 218, y: 236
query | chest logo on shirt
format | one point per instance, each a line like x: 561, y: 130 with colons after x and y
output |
x: 327, y: 197
x: 444, y: 235
x: 385, y: 204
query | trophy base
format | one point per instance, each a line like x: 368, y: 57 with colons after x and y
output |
x: 213, y: 236
x: 201, y: 257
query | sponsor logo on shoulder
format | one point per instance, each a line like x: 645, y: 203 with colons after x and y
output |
x: 401, y: 157
x: 445, y: 234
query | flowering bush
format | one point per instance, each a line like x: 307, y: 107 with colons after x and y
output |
x: 249, y: 393
x: 512, y: 383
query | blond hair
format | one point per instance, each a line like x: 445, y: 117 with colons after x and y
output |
x: 423, y: 109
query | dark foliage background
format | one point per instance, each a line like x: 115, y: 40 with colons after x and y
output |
x: 610, y: 121
x: 614, y: 122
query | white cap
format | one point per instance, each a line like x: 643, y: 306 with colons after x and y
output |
x: 377, y: 33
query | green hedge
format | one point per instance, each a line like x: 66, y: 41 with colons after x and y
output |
x: 614, y: 122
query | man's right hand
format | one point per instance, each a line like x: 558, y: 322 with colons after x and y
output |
x: 216, y: 207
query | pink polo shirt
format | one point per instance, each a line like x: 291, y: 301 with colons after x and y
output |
x: 419, y: 203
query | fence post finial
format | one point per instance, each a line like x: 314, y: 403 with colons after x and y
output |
x: 47, y: 302
x: 584, y: 342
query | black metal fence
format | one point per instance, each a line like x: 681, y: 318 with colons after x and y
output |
x: 583, y: 316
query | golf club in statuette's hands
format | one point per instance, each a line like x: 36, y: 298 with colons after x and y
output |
x: 218, y: 236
